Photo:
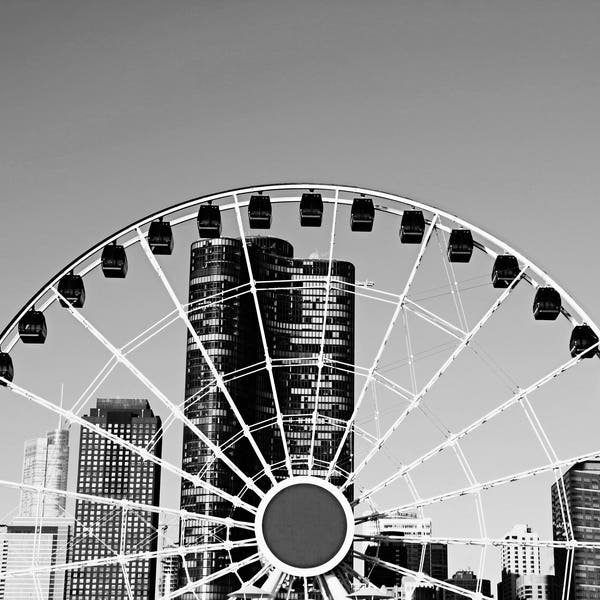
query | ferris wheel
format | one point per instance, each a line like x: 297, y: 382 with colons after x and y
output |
x: 308, y: 362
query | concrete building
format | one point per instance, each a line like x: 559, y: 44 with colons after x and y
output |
x: 518, y: 559
x: 536, y: 587
x: 468, y: 581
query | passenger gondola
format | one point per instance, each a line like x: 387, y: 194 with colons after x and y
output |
x: 209, y: 221
x: 412, y: 227
x: 311, y: 210
x: 32, y: 327
x: 71, y: 288
x: 546, y: 304
x: 114, y: 261
x: 582, y: 338
x: 505, y: 270
x: 6, y: 367
x: 259, y: 212
x: 460, y: 246
x: 160, y: 237
x: 362, y: 214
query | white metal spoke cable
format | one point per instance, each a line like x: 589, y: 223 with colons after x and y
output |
x: 436, y: 376
x: 473, y: 426
x: 263, y: 338
x: 141, y: 452
x: 383, y: 344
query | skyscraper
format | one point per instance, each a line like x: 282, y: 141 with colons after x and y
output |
x: 582, y: 486
x: 39, y: 536
x: 518, y: 560
x: 468, y: 581
x: 293, y: 320
x: 45, y: 464
x: 105, y: 530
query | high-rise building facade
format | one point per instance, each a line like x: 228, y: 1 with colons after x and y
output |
x: 582, y: 487
x: 106, y: 530
x: 293, y: 319
x: 45, y: 464
x: 536, y: 587
x: 518, y: 559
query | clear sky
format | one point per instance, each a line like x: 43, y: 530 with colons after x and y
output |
x: 112, y: 110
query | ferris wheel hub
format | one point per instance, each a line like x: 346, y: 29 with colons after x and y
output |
x: 304, y: 526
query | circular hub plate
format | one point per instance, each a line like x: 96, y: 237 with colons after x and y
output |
x: 304, y: 526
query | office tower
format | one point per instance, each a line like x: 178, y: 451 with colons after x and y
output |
x: 293, y: 320
x: 536, y: 587
x: 29, y: 543
x: 468, y: 581
x: 45, y: 464
x: 39, y: 536
x: 168, y: 580
x: 105, y: 530
x: 404, y: 554
x: 518, y: 560
x: 582, y: 508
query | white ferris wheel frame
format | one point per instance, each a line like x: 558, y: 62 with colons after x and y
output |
x: 336, y: 195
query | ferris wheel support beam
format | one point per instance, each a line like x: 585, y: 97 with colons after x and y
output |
x: 386, y: 337
x: 311, y: 452
x: 141, y: 452
x: 421, y: 577
x: 261, y: 326
x: 215, y: 373
x: 333, y: 587
x: 194, y: 585
x: 472, y: 427
x: 436, y: 376
x: 492, y: 483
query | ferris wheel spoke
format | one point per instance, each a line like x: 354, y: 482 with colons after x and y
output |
x: 451, y: 439
x: 390, y: 328
x: 434, y: 319
x: 261, y: 326
x: 492, y: 483
x: 193, y: 585
x: 481, y: 541
x: 436, y: 376
x: 217, y: 376
x: 419, y: 576
x: 311, y: 452
x: 138, y: 450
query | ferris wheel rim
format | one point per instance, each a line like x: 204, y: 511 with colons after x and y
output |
x: 584, y: 317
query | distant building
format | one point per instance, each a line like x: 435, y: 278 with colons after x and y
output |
x: 536, y: 587
x: 169, y: 572
x: 518, y: 559
x: 582, y: 486
x: 45, y: 464
x: 26, y: 544
x: 404, y: 554
x: 468, y: 581
x: 107, y: 469
x: 39, y: 537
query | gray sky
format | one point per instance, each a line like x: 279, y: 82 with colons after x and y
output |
x: 110, y: 111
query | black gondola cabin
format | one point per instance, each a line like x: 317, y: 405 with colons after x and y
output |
x: 6, y: 367
x: 32, y: 327
x: 160, y: 238
x: 114, y: 261
x: 460, y: 246
x: 546, y: 304
x: 582, y: 338
x: 505, y: 270
x: 412, y: 227
x: 259, y: 212
x: 362, y: 214
x: 209, y: 221
x: 311, y: 210
x: 71, y: 288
